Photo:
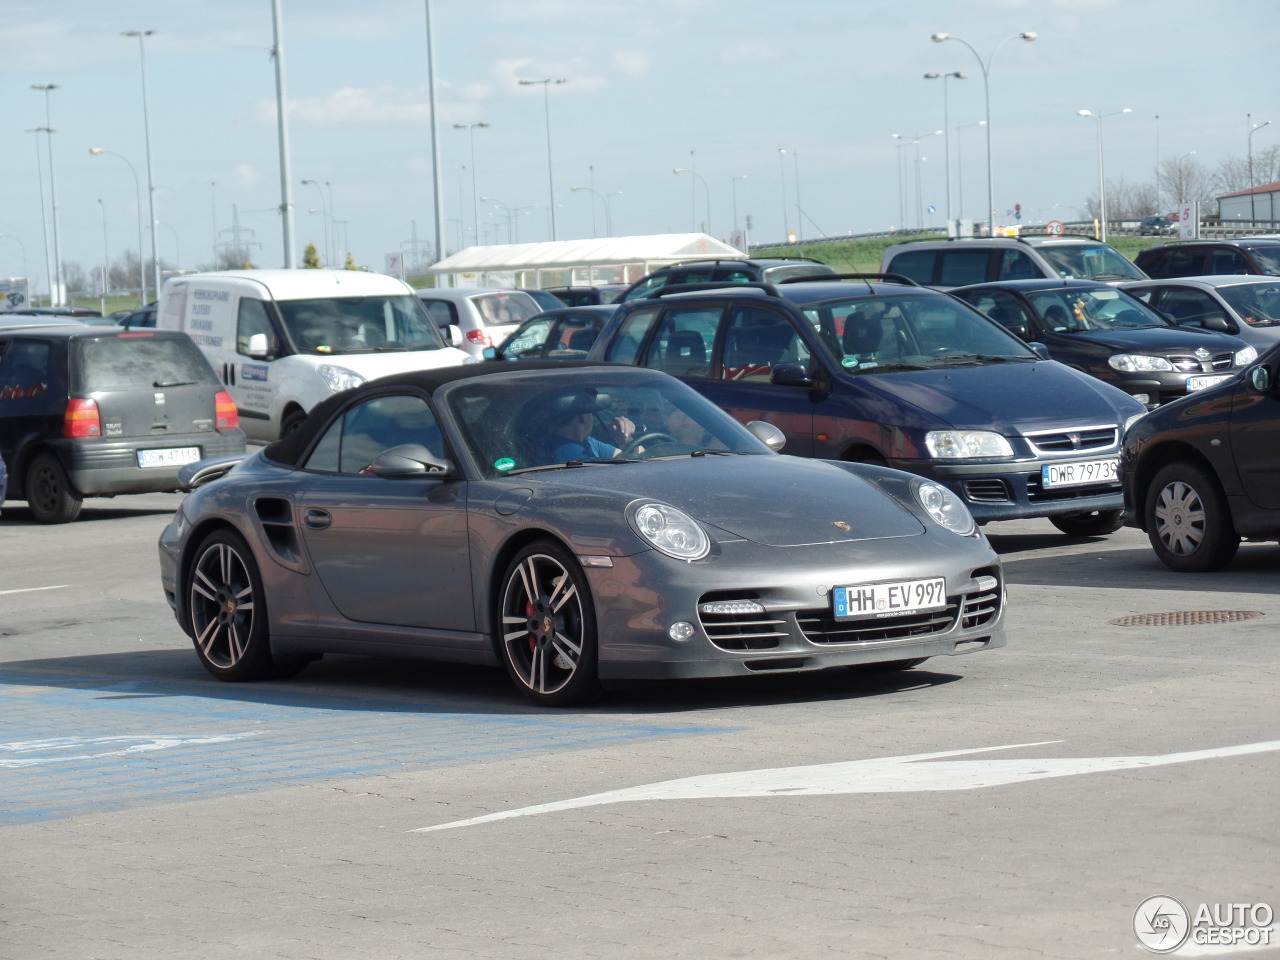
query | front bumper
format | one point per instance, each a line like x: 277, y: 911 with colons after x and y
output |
x: 640, y: 597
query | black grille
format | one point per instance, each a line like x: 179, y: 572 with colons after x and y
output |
x: 1086, y: 439
x: 1036, y: 493
x: 1189, y: 364
x: 819, y: 626
x: 981, y: 607
x: 986, y: 491
x: 741, y: 631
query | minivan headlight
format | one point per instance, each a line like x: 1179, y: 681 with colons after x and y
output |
x: 669, y: 530
x: 338, y: 378
x: 1138, y: 363
x: 964, y: 444
x: 946, y: 509
x: 1246, y: 356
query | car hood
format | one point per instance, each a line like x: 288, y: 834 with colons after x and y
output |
x: 1160, y: 340
x: 777, y: 501
x: 1011, y: 398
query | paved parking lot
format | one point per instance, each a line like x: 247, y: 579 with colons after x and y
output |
x: 1021, y: 802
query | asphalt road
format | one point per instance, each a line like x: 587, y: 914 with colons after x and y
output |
x: 148, y: 811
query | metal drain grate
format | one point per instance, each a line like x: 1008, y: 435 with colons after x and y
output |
x: 1185, y: 618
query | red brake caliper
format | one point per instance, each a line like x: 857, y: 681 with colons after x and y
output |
x: 528, y: 612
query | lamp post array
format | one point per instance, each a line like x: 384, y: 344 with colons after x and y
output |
x: 142, y: 275
x: 913, y: 140
x: 693, y: 215
x: 986, y: 96
x: 56, y: 291
x: 324, y: 211
x: 475, y: 209
x: 946, y: 127
x: 1102, y: 181
x: 151, y: 180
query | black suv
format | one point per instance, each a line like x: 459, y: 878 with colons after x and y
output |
x: 763, y: 270
x: 1112, y: 335
x: 1203, y: 258
x: 1204, y: 471
x: 879, y: 370
x: 93, y: 411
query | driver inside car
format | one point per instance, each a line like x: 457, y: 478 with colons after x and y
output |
x: 570, y: 435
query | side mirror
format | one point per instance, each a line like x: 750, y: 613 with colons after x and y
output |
x: 490, y: 353
x: 1260, y: 378
x: 1040, y: 350
x: 1019, y: 330
x: 407, y: 460
x: 768, y: 434
x: 1216, y: 321
x: 257, y: 346
x: 791, y: 375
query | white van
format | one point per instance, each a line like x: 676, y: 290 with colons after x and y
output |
x: 283, y: 340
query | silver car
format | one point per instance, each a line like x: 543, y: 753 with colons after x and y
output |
x: 575, y: 523
x: 1245, y: 306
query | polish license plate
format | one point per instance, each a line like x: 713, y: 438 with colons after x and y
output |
x: 169, y: 457
x: 1199, y: 383
x: 898, y: 599
x: 1056, y: 475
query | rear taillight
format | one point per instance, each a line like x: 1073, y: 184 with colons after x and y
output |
x: 81, y: 419
x: 480, y: 337
x: 224, y: 410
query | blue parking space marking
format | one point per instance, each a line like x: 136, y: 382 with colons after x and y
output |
x: 72, y: 747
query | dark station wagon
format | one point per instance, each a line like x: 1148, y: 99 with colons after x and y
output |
x: 94, y: 411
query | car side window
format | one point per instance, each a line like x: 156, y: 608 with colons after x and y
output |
x: 530, y: 341
x: 682, y: 346
x: 735, y: 275
x: 24, y: 369
x: 756, y: 340
x: 357, y: 438
x: 1004, y: 308
x: 625, y: 347
x: 251, y: 319
x: 1182, y: 262
x: 647, y: 286
x: 1229, y: 261
x: 915, y: 265
x: 1016, y: 265
x: 1189, y: 308
x: 962, y: 267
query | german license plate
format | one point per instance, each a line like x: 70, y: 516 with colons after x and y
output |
x: 897, y: 599
x: 1199, y: 383
x: 1079, y: 473
x: 169, y: 457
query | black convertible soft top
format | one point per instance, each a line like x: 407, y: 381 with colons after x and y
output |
x: 290, y: 449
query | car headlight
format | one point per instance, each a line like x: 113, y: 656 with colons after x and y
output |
x: 963, y: 444
x: 1246, y: 356
x: 669, y: 530
x: 338, y: 378
x: 1138, y: 363
x: 946, y: 509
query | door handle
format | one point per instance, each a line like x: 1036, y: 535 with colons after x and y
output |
x: 317, y: 519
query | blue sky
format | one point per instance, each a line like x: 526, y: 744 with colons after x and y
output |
x: 714, y: 86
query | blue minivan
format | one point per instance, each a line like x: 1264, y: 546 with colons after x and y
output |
x: 873, y: 368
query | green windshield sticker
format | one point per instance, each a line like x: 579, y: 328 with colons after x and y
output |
x: 504, y: 463
x: 849, y: 362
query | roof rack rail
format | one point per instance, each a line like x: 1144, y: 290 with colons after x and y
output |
x: 673, y: 288
x: 866, y: 277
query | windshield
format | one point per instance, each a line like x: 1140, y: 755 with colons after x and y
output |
x: 881, y: 334
x: 1258, y: 304
x: 333, y: 326
x: 1268, y: 259
x: 1089, y: 261
x: 551, y: 420
x: 1071, y: 311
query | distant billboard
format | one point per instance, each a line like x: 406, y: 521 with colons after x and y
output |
x: 13, y: 294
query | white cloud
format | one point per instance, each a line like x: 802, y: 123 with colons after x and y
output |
x: 631, y: 63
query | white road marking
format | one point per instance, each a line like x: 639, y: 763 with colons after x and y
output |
x: 61, y: 586
x: 906, y: 774
x: 53, y: 749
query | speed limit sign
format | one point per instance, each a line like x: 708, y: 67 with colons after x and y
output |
x: 1055, y: 228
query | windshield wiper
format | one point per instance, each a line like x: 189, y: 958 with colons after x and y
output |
x: 882, y: 368
x: 716, y: 453
x: 974, y: 358
x: 172, y: 383
x: 1113, y: 276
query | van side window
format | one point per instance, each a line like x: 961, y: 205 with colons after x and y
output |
x: 915, y: 265
x: 682, y: 346
x: 961, y: 267
x: 1016, y: 265
x: 368, y: 429
x: 252, y: 318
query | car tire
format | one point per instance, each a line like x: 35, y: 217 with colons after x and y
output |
x: 1187, y: 519
x: 545, y: 627
x: 1096, y: 524
x: 49, y: 494
x: 227, y: 611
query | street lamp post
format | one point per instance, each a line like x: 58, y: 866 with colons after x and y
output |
x: 324, y: 211
x: 1253, y: 209
x: 151, y: 181
x: 106, y: 261
x: 733, y: 188
x: 546, y: 106
x: 795, y: 170
x: 55, y: 278
x: 913, y: 140
x: 946, y: 135
x: 706, y: 190
x: 960, y: 163
x: 782, y: 167
x: 142, y: 276
x: 475, y: 209
x: 1102, y: 183
x: 177, y: 245
x: 608, y: 215
x: 44, y: 213
x: 986, y: 96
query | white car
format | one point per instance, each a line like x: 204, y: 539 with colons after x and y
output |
x: 473, y: 318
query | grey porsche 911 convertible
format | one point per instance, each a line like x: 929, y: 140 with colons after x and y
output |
x: 576, y: 523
